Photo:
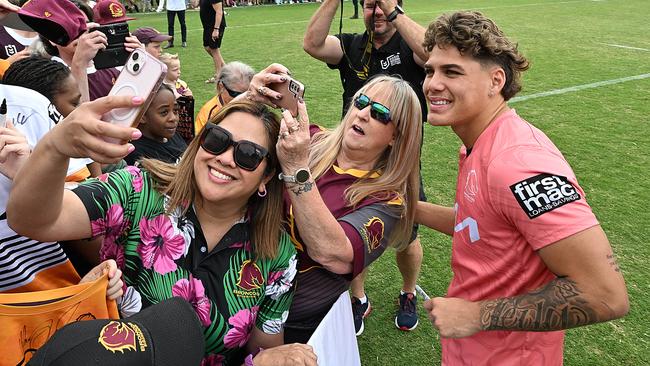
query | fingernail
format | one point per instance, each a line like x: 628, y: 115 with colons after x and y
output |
x: 278, y: 97
x: 283, y: 79
x: 137, y: 100
x: 300, y: 100
x: 136, y: 134
x: 131, y: 148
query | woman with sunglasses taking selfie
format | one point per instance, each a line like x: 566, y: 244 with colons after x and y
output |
x: 205, y: 229
x: 350, y: 192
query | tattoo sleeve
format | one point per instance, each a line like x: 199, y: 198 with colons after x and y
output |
x: 558, y: 305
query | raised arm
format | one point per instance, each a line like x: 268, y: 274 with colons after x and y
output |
x: 589, y: 289
x: 317, y: 41
x: 38, y: 206
x: 436, y: 217
x: 325, y: 239
x: 412, y: 32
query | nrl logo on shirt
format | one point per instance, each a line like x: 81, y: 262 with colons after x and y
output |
x: 390, y: 61
x: 543, y: 193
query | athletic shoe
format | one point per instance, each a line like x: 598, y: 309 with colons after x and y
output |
x: 359, y: 312
x: 407, y: 316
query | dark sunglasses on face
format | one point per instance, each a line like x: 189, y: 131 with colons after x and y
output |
x: 378, y: 111
x: 232, y: 93
x: 248, y: 155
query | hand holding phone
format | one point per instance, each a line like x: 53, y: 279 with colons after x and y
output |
x: 291, y: 90
x: 141, y: 76
x: 114, y: 54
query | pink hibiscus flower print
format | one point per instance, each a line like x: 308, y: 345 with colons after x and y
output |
x: 111, y: 250
x: 111, y: 224
x: 213, y: 360
x: 137, y: 180
x: 103, y: 178
x: 242, y: 324
x: 192, y: 291
x: 159, y: 245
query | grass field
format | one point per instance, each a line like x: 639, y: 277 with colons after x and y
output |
x: 602, y: 129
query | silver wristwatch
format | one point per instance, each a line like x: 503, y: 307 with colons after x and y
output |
x: 301, y: 176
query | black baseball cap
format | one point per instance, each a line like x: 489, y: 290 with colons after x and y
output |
x: 168, y: 333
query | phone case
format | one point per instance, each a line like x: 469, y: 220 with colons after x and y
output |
x: 115, y: 54
x: 291, y: 90
x: 141, y: 76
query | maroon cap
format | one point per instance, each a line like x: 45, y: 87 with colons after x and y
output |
x: 148, y: 34
x: 60, y: 21
x: 109, y: 12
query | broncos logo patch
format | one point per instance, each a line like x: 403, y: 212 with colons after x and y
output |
x: 373, y: 233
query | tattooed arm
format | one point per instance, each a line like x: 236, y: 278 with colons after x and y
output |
x: 589, y: 289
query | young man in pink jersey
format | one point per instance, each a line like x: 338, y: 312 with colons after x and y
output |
x: 528, y: 255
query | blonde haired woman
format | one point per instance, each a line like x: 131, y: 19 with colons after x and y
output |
x: 350, y: 192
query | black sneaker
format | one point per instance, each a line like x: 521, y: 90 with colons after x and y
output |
x: 359, y: 312
x: 407, y: 316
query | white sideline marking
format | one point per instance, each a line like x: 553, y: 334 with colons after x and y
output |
x: 626, y: 47
x: 578, y: 88
x: 420, y: 12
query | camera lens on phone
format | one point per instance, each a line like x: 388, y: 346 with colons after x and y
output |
x: 135, y: 56
x: 136, y: 67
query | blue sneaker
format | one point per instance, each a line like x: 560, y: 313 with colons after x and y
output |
x: 359, y: 312
x: 407, y: 316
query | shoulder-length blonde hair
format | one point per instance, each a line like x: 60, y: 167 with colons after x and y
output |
x: 179, y: 182
x: 399, y: 165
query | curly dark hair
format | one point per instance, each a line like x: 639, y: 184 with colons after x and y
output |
x: 474, y: 34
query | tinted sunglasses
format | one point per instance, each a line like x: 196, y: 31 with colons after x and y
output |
x: 378, y: 111
x: 232, y: 93
x: 248, y: 155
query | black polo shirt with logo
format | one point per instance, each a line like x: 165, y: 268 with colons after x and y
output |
x: 393, y: 58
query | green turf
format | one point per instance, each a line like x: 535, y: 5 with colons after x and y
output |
x: 603, y: 132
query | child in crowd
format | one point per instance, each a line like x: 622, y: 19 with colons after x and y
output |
x: 173, y: 75
x: 158, y: 125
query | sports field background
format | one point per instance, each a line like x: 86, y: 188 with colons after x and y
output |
x: 584, y: 52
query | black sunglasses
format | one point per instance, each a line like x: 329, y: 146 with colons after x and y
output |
x: 378, y: 111
x: 232, y: 93
x: 248, y: 155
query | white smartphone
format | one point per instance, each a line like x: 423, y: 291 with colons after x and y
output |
x: 141, y: 76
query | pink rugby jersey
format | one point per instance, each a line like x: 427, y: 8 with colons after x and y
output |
x: 515, y: 195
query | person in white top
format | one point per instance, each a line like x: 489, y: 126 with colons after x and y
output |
x: 176, y: 7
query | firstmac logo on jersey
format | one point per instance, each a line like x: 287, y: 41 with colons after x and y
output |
x: 543, y: 193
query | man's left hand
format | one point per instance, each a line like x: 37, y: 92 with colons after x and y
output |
x: 454, y: 317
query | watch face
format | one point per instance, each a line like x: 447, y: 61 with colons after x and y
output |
x: 302, y: 175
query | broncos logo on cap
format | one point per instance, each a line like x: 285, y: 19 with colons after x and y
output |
x: 117, y: 336
x: 116, y: 10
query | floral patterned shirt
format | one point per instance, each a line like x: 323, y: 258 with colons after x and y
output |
x: 162, y: 256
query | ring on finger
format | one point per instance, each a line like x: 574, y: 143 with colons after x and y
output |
x: 284, y: 134
x: 261, y: 90
x: 294, y: 128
